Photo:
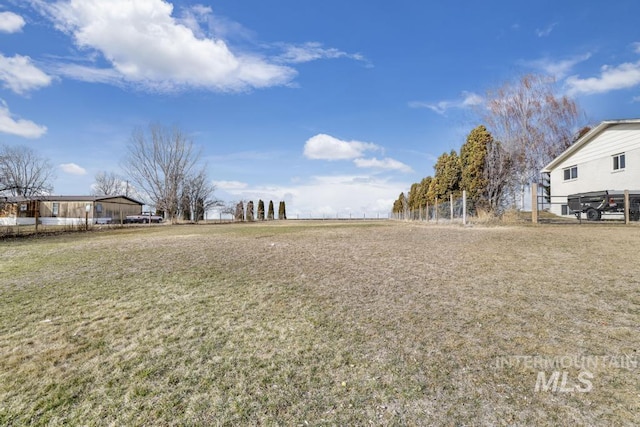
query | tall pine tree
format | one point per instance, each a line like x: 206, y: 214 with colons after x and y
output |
x: 473, y: 155
x: 270, y: 214
x: 260, y: 210
x: 282, y: 211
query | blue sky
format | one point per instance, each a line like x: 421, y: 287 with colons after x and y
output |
x: 334, y: 106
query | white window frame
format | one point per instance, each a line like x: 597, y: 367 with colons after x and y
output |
x: 573, y: 173
x: 619, y: 162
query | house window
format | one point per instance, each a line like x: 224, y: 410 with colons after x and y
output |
x: 55, y: 209
x: 565, y: 210
x: 618, y: 162
x: 571, y: 173
x: 99, y: 208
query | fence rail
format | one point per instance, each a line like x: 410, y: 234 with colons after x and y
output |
x: 557, y: 209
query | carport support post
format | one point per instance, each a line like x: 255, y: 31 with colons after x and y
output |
x: 534, y: 203
x: 626, y: 207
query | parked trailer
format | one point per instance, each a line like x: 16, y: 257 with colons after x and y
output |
x: 596, y: 203
x: 142, y: 219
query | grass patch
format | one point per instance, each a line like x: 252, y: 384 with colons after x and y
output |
x: 334, y: 323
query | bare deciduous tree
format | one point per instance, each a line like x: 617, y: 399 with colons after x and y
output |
x: 228, y: 208
x: 159, y: 162
x: 23, y: 172
x: 532, y: 123
x: 197, y: 196
x: 109, y: 184
x: 497, y: 176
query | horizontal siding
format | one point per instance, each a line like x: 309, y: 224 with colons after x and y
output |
x: 119, y: 211
x: 595, y: 165
x: 598, y: 174
x: 614, y: 140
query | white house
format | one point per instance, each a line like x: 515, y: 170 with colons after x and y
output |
x: 606, y: 158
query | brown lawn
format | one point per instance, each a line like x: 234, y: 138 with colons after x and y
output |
x: 322, y: 323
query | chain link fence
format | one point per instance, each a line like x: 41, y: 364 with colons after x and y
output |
x: 455, y: 209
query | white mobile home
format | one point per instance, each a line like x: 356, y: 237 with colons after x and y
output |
x: 67, y: 210
x: 606, y: 158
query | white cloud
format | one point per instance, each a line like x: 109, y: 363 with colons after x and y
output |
x: 558, y: 69
x: 330, y: 196
x: 73, y: 169
x: 11, y: 22
x: 18, y: 74
x: 312, y: 51
x: 326, y: 147
x: 386, y: 164
x: 471, y: 99
x: 19, y: 127
x: 468, y: 99
x: 157, y: 51
x: 544, y: 32
x: 230, y: 185
x: 622, y: 76
x: 88, y: 74
x: 193, y: 16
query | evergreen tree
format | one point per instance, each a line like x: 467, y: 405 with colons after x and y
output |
x: 260, y: 210
x: 270, y: 214
x: 250, y: 211
x: 398, y: 205
x: 239, y: 211
x: 423, y: 193
x: 446, y: 179
x: 282, y: 211
x: 473, y: 154
x: 414, y: 193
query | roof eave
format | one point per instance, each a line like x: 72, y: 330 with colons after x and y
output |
x: 583, y: 141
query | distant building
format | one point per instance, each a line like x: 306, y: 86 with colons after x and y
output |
x: 605, y: 158
x: 67, y: 210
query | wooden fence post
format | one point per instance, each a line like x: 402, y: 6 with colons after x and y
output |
x: 626, y: 207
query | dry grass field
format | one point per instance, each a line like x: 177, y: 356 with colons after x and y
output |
x: 322, y: 323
